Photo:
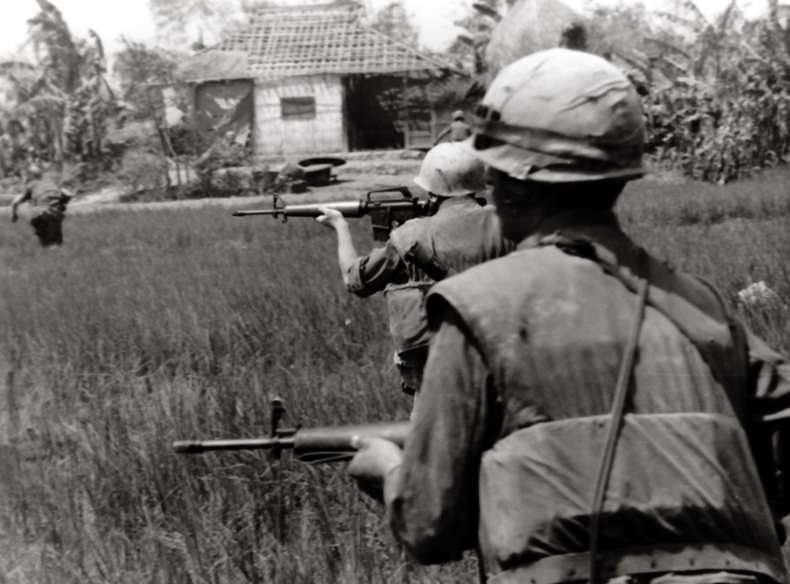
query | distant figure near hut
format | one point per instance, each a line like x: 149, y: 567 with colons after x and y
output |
x: 44, y: 193
x: 457, y: 131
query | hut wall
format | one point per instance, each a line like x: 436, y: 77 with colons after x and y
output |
x: 323, y: 131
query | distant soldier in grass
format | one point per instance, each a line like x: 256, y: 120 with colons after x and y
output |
x: 587, y: 413
x: 457, y: 131
x: 49, y: 201
x: 459, y: 234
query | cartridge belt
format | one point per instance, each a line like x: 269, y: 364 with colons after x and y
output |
x: 656, y: 559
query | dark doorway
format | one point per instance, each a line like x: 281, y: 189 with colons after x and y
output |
x: 224, y: 111
x: 373, y: 106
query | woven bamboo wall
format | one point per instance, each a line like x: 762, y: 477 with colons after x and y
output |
x: 324, y: 133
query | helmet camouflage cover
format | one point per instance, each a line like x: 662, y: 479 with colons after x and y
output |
x: 451, y: 169
x: 561, y: 116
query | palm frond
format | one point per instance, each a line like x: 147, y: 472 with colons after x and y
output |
x: 692, y: 25
x: 668, y: 46
x: 487, y: 10
x: 97, y: 42
x: 15, y: 65
x: 725, y: 19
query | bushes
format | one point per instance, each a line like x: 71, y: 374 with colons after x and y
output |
x: 716, y: 91
x: 142, y: 170
x: 719, y: 136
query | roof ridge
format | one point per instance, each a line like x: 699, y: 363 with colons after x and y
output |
x: 419, y: 53
x: 296, y: 40
x: 338, y: 6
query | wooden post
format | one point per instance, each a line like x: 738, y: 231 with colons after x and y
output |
x: 405, y: 110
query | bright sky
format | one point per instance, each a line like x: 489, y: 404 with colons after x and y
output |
x: 132, y: 18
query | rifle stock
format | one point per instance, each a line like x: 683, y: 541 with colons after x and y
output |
x: 327, y: 444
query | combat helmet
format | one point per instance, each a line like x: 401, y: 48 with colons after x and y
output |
x: 451, y: 169
x: 34, y: 171
x: 561, y: 116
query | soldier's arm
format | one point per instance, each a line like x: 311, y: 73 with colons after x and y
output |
x: 347, y: 254
x: 373, y: 272
x: 769, y: 373
x: 18, y: 200
x: 363, y: 275
x: 432, y: 495
x: 769, y: 380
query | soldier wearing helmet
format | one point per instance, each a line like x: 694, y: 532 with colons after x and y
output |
x: 460, y: 234
x: 49, y: 201
x: 587, y: 412
x: 457, y: 131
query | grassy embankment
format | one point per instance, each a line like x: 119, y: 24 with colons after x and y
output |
x: 152, y: 326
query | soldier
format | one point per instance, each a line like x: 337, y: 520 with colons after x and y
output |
x: 50, y: 202
x: 420, y: 252
x: 587, y: 412
x: 457, y: 131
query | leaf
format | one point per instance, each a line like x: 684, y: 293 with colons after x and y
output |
x: 97, y: 42
x: 487, y: 10
x: 668, y: 46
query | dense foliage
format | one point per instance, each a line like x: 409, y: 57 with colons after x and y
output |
x: 718, y: 93
x: 61, y: 105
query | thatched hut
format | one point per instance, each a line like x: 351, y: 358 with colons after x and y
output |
x: 313, y: 78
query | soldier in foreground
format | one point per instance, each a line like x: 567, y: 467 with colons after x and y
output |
x: 586, y: 411
x: 422, y: 251
x: 49, y: 200
x: 457, y: 131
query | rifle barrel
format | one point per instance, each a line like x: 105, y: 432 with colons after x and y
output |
x: 347, y: 208
x: 308, y: 444
x: 198, y: 446
x: 248, y: 212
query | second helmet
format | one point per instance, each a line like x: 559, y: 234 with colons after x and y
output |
x: 451, y: 169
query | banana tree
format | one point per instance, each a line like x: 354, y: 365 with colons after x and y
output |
x: 61, y: 98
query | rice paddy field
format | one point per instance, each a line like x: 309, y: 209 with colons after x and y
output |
x: 150, y: 326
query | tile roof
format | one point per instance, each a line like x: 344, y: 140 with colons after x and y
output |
x: 289, y: 41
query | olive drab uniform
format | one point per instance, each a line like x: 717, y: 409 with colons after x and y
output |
x: 459, y: 130
x: 421, y: 251
x: 519, y: 383
x: 49, y: 202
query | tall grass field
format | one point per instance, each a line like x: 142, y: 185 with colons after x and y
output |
x: 156, y: 325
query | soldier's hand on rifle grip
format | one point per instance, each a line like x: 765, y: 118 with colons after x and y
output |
x: 375, y: 459
x: 331, y: 217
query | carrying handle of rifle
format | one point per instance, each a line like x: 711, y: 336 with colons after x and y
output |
x: 402, y: 190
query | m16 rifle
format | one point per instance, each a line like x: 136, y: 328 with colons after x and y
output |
x: 312, y: 445
x: 387, y: 208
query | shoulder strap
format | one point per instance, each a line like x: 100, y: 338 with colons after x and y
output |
x: 615, y: 425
